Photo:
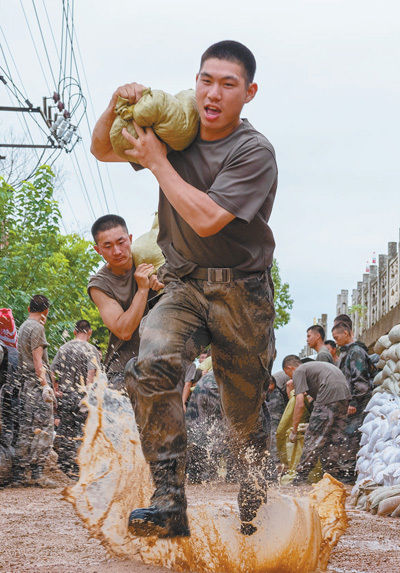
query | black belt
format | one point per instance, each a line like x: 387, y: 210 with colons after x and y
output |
x: 222, y: 275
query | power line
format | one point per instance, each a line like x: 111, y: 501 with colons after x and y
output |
x: 43, y: 42
x: 94, y: 117
x: 34, y: 45
x: 83, y: 184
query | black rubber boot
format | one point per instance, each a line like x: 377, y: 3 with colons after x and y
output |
x: 252, y: 494
x: 166, y: 516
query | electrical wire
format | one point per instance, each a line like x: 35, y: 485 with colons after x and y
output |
x: 44, y: 43
x: 34, y: 45
x: 83, y: 184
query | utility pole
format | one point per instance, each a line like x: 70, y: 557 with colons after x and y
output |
x: 63, y: 134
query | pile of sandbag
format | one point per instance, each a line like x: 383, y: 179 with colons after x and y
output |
x: 378, y: 463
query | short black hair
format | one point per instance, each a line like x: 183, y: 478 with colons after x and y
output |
x: 233, y: 52
x: 342, y: 326
x: 107, y: 222
x: 343, y: 318
x: 291, y: 360
x: 331, y: 343
x: 317, y: 328
x: 39, y: 303
x: 82, y: 326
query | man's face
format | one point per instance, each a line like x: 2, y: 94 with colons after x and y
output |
x: 221, y: 92
x: 312, y: 338
x: 332, y: 351
x: 341, y: 337
x: 114, y: 245
x: 202, y: 357
x: 289, y: 370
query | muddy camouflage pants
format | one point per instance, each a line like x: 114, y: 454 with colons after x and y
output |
x: 36, y: 428
x: 237, y: 318
x: 69, y: 431
x: 325, y: 439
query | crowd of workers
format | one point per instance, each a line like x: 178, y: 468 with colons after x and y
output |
x: 41, y: 401
x: 315, y: 406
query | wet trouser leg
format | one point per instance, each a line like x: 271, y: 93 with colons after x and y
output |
x: 324, y: 439
x: 238, y: 319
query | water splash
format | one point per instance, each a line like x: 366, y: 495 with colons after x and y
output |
x: 295, y: 534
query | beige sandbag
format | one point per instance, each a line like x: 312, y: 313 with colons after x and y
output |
x: 383, y: 342
x: 174, y: 119
x: 394, y: 334
x: 145, y: 249
x: 294, y: 534
x: 388, y: 505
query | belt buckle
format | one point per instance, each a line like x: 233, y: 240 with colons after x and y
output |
x: 223, y: 275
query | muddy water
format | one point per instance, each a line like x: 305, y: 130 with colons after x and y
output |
x: 294, y: 534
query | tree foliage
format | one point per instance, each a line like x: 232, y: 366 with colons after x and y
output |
x: 36, y: 258
x: 282, y: 299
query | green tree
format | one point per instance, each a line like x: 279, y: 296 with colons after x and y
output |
x: 35, y: 257
x: 282, y: 299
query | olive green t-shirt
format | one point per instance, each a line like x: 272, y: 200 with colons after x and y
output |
x: 72, y: 363
x: 121, y: 288
x: 322, y: 381
x: 239, y: 173
x: 31, y: 335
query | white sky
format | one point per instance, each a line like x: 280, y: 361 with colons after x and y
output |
x: 328, y: 100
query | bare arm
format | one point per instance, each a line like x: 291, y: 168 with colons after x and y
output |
x: 203, y: 214
x: 101, y: 146
x: 37, y: 354
x: 124, y: 323
x: 298, y: 411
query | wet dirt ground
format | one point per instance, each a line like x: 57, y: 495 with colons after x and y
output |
x: 39, y: 532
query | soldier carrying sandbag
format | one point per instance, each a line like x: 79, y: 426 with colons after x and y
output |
x: 216, y: 197
x: 120, y: 291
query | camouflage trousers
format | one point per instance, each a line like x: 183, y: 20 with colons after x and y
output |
x: 353, y: 437
x: 325, y: 439
x: 237, y: 319
x: 36, y: 428
x: 69, y: 431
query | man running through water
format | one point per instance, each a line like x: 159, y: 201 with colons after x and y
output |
x: 215, y: 201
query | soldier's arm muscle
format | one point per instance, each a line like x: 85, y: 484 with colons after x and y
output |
x: 298, y: 411
x: 37, y: 355
x: 121, y: 323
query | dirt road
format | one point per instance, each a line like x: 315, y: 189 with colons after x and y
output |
x: 40, y: 533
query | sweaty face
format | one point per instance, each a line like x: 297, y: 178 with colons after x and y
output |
x: 114, y: 245
x: 221, y: 92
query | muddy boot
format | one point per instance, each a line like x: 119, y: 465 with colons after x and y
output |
x: 252, y: 494
x: 166, y: 516
x: 39, y: 480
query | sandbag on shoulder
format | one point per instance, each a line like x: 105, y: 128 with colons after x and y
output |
x: 174, y: 119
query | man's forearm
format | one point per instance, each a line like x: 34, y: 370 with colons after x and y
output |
x: 200, y: 212
x: 298, y: 411
x: 101, y: 144
x: 129, y: 321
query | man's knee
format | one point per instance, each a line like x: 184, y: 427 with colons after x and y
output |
x: 153, y: 374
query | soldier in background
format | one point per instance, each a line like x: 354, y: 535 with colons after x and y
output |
x: 358, y: 371
x: 72, y: 370
x: 37, y: 400
x: 324, y: 437
x: 315, y: 340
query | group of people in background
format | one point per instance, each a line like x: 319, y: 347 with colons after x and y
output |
x: 41, y: 400
x: 315, y: 409
x: 314, y: 406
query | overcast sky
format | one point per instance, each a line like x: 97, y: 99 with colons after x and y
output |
x: 328, y: 100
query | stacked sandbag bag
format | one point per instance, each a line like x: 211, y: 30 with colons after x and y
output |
x: 378, y: 463
x: 174, y: 119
